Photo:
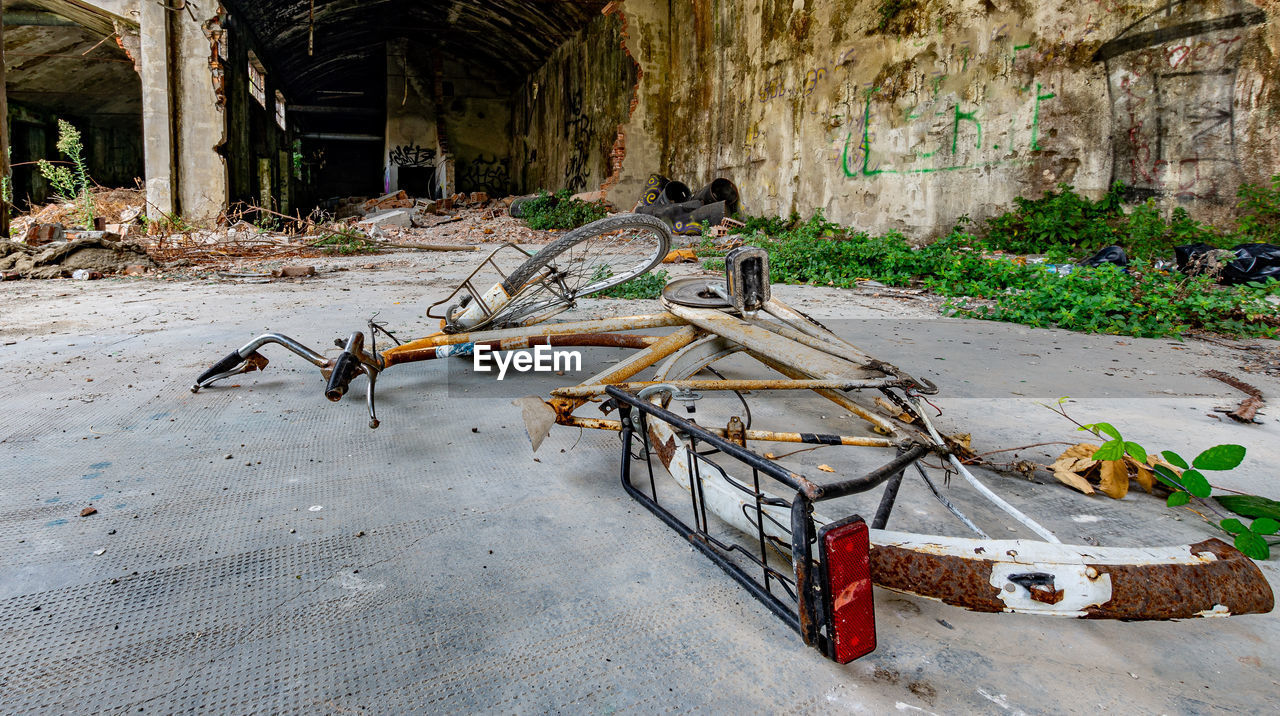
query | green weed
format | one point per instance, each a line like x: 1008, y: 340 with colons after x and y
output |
x: 560, y: 211
x: 347, y: 244
x: 649, y: 285
x: 1141, y: 302
x: 71, y: 183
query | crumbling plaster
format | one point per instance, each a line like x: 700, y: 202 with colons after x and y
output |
x: 567, y: 116
x: 182, y: 121
x: 805, y: 105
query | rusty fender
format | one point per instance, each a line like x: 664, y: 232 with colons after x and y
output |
x: 1207, y: 579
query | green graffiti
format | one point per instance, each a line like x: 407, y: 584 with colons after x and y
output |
x: 955, y: 128
x: 1035, y: 118
x: 957, y: 116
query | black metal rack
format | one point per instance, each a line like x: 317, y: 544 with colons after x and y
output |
x: 795, y: 598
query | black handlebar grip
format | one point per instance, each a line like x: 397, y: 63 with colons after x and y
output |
x: 344, y: 370
x: 221, y: 366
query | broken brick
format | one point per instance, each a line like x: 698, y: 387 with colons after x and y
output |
x: 296, y: 271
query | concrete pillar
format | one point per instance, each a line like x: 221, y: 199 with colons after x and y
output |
x: 199, y: 123
x: 157, y: 109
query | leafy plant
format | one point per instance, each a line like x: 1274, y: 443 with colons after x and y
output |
x: 1188, y: 484
x: 1063, y: 223
x: 560, y: 211
x: 1139, y: 301
x: 347, y: 243
x: 1260, y: 220
x: 649, y: 285
x: 71, y: 183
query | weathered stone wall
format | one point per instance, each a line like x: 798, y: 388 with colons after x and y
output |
x: 566, y: 117
x: 952, y: 108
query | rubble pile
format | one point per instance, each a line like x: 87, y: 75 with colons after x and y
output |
x: 48, y: 244
x: 91, y: 255
x: 118, y: 209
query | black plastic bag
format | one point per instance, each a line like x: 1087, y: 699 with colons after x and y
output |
x: 1188, y: 257
x: 1254, y: 263
x: 1110, y: 255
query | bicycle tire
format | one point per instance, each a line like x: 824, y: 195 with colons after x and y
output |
x: 620, y: 222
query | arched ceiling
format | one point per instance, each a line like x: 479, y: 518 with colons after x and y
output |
x: 510, y: 38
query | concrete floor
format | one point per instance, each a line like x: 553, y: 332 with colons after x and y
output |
x: 267, y: 552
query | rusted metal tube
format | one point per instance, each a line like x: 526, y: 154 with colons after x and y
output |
x: 880, y: 424
x: 584, y: 391
x: 572, y: 340
x: 1206, y: 579
x: 574, y: 421
x: 426, y: 348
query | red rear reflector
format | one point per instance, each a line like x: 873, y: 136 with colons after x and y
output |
x: 846, y: 573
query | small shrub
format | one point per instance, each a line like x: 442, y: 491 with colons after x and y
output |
x: 1063, y: 225
x: 649, y: 285
x: 1139, y: 302
x: 71, y: 183
x: 560, y: 211
x: 347, y: 244
x: 1260, y: 220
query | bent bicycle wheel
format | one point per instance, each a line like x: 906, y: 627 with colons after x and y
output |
x: 598, y: 256
x: 586, y: 260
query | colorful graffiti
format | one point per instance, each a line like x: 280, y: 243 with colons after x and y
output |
x: 1171, y: 81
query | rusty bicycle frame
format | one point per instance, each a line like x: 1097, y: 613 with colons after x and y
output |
x: 1041, y: 576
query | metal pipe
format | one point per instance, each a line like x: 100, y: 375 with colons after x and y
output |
x: 875, y: 477
x: 342, y: 137
x: 281, y: 339
x: 986, y: 492
x: 574, y: 421
x: 425, y: 348
x: 887, y: 499
x: 586, y: 391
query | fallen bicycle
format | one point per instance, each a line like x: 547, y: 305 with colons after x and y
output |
x: 813, y: 570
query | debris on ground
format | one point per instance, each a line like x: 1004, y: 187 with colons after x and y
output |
x: 88, y: 511
x: 1245, y: 263
x: 1076, y: 468
x: 685, y: 210
x: 113, y: 206
x: 1247, y: 410
x: 295, y: 271
x: 50, y: 246
x: 58, y: 260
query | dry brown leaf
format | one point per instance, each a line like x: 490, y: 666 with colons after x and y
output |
x: 771, y: 456
x: 1115, y: 478
x: 826, y: 468
x: 961, y: 445
x: 1070, y: 479
x: 1075, y: 466
x: 1154, y: 459
x: 1143, y: 474
x: 1085, y: 450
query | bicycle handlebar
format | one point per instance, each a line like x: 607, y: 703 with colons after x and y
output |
x: 345, y: 368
